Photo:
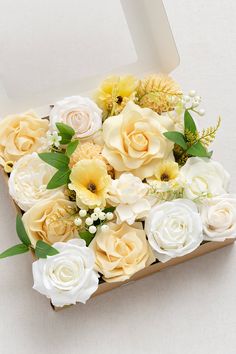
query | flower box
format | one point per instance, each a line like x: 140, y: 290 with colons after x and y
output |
x: 144, y: 194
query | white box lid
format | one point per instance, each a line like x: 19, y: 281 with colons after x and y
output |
x: 52, y: 49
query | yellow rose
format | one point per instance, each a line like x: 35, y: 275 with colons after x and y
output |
x: 90, y: 181
x: 51, y: 220
x: 121, y: 251
x: 134, y: 140
x: 20, y: 135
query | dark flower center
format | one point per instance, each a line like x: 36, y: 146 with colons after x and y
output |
x: 91, y: 187
x: 119, y: 99
x: 165, y: 177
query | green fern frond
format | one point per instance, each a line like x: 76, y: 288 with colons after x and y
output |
x: 208, y: 135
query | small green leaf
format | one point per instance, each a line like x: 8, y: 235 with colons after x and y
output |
x: 66, y: 132
x: 198, y: 150
x: 177, y: 138
x: 189, y: 123
x: 60, y: 178
x: 71, y: 147
x: 42, y: 250
x: 87, y: 236
x: 55, y: 159
x: 13, y: 251
x: 22, y: 234
x: 109, y: 210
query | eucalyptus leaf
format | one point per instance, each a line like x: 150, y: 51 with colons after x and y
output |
x: 198, y: 150
x: 42, y: 250
x: 71, y: 147
x: 55, y: 159
x: 86, y: 236
x: 177, y: 138
x: 60, y: 178
x: 13, y: 251
x: 189, y: 123
x: 20, y: 229
x: 66, y: 132
x: 109, y: 209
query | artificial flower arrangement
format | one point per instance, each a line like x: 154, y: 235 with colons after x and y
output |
x: 109, y: 186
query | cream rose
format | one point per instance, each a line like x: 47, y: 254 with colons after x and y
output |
x: 130, y: 196
x: 121, y: 251
x: 80, y: 113
x: 28, y: 181
x: 204, y: 178
x: 134, y: 140
x: 51, y: 220
x: 20, y: 135
x: 68, y: 277
x: 219, y: 217
x: 174, y: 229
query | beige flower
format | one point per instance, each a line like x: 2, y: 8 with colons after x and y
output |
x: 134, y: 140
x: 51, y: 220
x: 90, y: 181
x: 89, y: 151
x: 20, y: 135
x: 121, y: 252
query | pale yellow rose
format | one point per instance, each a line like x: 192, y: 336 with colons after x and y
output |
x: 51, y: 220
x: 134, y: 140
x: 121, y: 251
x: 20, y: 135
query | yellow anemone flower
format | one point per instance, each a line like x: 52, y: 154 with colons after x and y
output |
x: 166, y: 171
x: 114, y: 93
x: 90, y: 181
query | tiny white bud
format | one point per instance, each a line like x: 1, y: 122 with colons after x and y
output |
x: 187, y: 98
x: 102, y: 216
x: 109, y: 216
x: 94, y: 216
x: 92, y: 229
x: 97, y: 210
x: 195, y: 104
x: 192, y: 93
x: 201, y: 112
x: 89, y: 221
x: 77, y: 221
x: 105, y: 228
x: 82, y: 213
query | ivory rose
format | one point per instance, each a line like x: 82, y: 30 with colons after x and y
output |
x: 204, y: 178
x: 21, y: 134
x: 80, y: 113
x: 67, y: 277
x: 28, y: 181
x: 51, y: 220
x: 219, y: 217
x: 130, y: 196
x: 134, y: 140
x: 121, y: 251
x: 174, y: 229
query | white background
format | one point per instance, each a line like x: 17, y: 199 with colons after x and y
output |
x: 187, y: 309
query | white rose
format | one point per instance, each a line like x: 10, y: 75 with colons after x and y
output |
x: 68, y: 277
x: 129, y: 195
x: 174, y: 229
x: 219, y: 217
x: 204, y: 178
x: 28, y: 181
x: 80, y: 113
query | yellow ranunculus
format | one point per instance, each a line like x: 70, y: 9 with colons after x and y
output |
x: 114, y: 93
x: 134, y: 140
x: 20, y: 135
x: 121, y: 252
x: 90, y: 181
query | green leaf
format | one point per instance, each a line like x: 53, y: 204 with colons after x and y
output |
x: 22, y: 234
x: 13, y: 251
x: 87, y: 236
x: 109, y: 210
x: 189, y: 123
x: 177, y: 138
x: 42, y: 250
x: 55, y: 159
x: 60, y: 178
x: 66, y: 132
x: 198, y: 150
x: 71, y: 147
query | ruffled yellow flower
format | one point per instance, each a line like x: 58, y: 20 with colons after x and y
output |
x: 114, y: 93
x: 90, y: 181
